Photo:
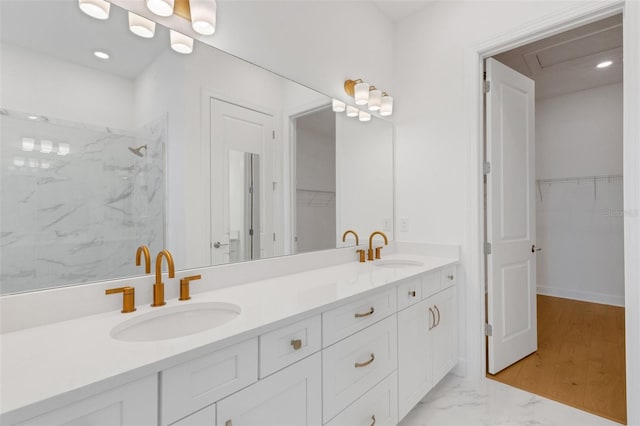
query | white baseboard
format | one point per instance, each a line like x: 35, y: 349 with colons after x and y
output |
x: 585, y: 296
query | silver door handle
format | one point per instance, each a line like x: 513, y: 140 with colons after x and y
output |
x: 535, y: 249
x: 218, y: 244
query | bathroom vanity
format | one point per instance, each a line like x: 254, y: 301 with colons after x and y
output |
x: 348, y: 344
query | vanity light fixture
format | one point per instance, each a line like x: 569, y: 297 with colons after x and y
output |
x: 101, y: 55
x: 161, y: 7
x: 375, y: 98
x: 352, y: 111
x: 203, y: 16
x: 98, y: 9
x: 604, y: 64
x: 386, y: 105
x: 338, y: 106
x: 63, y: 149
x: 364, y: 116
x: 140, y: 26
x: 28, y: 144
x: 181, y: 43
x: 46, y: 146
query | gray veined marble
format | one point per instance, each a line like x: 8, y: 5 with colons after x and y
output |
x: 53, y: 228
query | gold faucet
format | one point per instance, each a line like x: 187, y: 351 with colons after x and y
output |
x: 370, y: 251
x: 350, y: 231
x: 158, y: 287
x: 147, y: 258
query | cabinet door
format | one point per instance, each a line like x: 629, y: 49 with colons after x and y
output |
x: 414, y: 355
x: 445, y: 333
x: 204, y: 417
x: 290, y: 397
x: 132, y: 404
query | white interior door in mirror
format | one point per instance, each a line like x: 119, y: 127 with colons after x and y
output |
x: 233, y: 130
x: 511, y: 266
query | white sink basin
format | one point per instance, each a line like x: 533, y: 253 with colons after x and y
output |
x: 175, y: 321
x: 397, y: 263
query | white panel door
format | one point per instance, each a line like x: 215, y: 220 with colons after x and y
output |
x: 511, y: 266
x: 240, y: 129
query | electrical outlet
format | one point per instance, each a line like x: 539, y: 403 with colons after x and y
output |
x: 387, y: 224
x: 404, y: 224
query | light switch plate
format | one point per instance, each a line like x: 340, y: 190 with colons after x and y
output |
x: 404, y: 224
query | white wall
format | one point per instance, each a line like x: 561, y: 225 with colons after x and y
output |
x: 433, y: 148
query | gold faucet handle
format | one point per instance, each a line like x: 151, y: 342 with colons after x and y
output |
x: 184, y: 286
x: 361, y: 253
x: 378, y: 250
x: 128, y: 298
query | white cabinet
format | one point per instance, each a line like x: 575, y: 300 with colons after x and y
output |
x: 204, y: 417
x: 409, y: 292
x: 290, y: 397
x: 444, y: 334
x: 135, y: 403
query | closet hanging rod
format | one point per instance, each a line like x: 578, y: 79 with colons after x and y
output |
x: 578, y: 179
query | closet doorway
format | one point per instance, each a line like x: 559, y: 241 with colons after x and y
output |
x: 577, y: 307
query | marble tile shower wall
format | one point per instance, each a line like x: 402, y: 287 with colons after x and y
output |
x: 76, y: 201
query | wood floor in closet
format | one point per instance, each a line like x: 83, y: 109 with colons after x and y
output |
x: 580, y: 359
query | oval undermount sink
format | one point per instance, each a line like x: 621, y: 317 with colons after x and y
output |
x: 398, y: 263
x: 175, y: 321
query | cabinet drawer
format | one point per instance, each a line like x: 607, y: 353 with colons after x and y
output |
x: 379, y: 406
x: 354, y: 365
x: 409, y: 292
x: 430, y: 283
x: 448, y: 276
x: 345, y: 320
x: 289, y: 344
x: 188, y: 387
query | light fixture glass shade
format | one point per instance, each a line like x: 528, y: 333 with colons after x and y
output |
x: 375, y: 99
x: 203, y: 16
x: 352, y: 111
x: 28, y: 144
x: 386, y: 107
x: 181, y: 43
x: 98, y: 9
x: 361, y: 93
x: 364, y: 116
x: 338, y: 106
x: 161, y: 7
x: 140, y: 26
x: 63, y: 149
x: 46, y: 146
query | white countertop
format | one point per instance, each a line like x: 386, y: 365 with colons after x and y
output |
x: 49, y: 363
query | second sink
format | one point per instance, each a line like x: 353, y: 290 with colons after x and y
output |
x: 175, y: 321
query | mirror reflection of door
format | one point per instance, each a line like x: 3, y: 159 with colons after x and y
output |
x: 244, y: 206
x: 315, y: 194
x: 241, y: 155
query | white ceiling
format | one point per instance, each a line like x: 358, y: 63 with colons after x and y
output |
x: 566, y: 62
x: 397, y: 10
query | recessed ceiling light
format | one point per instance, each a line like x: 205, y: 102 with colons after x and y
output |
x: 604, y: 64
x: 33, y: 117
x: 100, y: 54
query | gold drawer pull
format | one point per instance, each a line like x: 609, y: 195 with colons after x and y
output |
x: 412, y: 293
x: 296, y: 343
x: 366, y: 314
x: 364, y: 364
x: 373, y: 418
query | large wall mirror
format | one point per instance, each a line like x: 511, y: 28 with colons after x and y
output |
x: 205, y: 154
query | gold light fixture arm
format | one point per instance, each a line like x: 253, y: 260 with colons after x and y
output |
x: 147, y: 258
x: 350, y: 86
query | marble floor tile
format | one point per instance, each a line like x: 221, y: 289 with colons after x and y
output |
x: 457, y: 401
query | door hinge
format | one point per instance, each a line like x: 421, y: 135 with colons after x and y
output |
x: 487, y: 248
x: 488, y: 330
x: 274, y: 236
x: 273, y: 134
x: 486, y: 86
x: 486, y: 168
x: 251, y: 232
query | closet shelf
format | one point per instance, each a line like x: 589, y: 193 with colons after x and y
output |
x: 578, y: 180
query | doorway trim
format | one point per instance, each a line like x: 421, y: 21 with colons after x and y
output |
x: 572, y: 17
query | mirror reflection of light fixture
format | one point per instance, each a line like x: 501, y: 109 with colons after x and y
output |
x: 375, y: 98
x: 352, y: 111
x: 46, y: 146
x: 364, y: 116
x: 28, y: 144
x: 63, y: 149
x: 181, y: 43
x: 140, y: 26
x: 98, y: 9
x: 203, y: 16
x: 161, y: 7
x: 338, y: 106
x: 386, y: 106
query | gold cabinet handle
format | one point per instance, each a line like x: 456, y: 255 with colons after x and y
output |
x: 373, y: 420
x: 296, y: 343
x: 366, y: 314
x: 128, y: 298
x: 364, y: 364
x: 438, y: 311
x: 412, y: 293
x: 433, y: 317
x: 184, y: 286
